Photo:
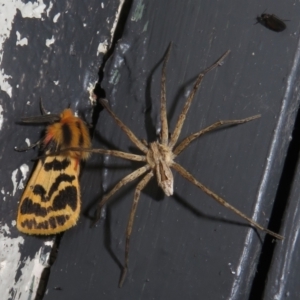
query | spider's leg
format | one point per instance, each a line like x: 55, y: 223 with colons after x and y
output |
x: 209, y: 128
x: 184, y: 173
x: 127, y: 131
x: 115, y: 153
x: 163, y: 109
x: 136, y: 199
x: 181, y: 118
x: 121, y: 154
x: 121, y: 183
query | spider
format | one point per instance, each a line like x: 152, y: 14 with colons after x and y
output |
x: 159, y: 157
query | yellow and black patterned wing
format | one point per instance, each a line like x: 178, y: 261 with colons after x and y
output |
x: 51, y: 201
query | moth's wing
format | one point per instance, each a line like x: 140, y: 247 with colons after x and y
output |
x: 51, y: 201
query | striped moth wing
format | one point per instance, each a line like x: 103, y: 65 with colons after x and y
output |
x: 51, y: 200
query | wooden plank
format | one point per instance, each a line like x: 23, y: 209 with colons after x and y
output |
x: 282, y: 278
x: 50, y: 50
x: 186, y: 246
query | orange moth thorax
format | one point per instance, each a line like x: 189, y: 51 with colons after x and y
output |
x: 70, y: 131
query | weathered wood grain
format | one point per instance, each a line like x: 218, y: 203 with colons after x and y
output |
x: 185, y: 246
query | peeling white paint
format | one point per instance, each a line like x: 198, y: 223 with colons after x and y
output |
x: 27, y: 141
x: 49, y: 8
x: 13, y: 223
x: 21, y: 42
x: 3, y: 197
x: 24, y: 171
x: 5, y: 228
x: 92, y: 96
x: 102, y: 48
x: 56, y: 82
x: 9, y: 261
x: 3, y: 193
x: 31, y: 9
x: 4, y: 85
x: 49, y: 243
x: 56, y: 18
x: 84, y: 24
x: 117, y: 16
x: 50, y: 41
x: 30, y: 268
x: 14, y: 180
x: 8, y: 10
x: 1, y: 117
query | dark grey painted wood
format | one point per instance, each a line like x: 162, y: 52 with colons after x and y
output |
x: 282, y: 280
x: 187, y: 246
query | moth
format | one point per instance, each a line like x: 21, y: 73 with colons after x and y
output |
x: 51, y: 200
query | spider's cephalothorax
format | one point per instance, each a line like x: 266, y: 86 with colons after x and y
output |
x: 159, y: 157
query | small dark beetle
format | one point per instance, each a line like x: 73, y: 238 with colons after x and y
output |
x: 272, y: 22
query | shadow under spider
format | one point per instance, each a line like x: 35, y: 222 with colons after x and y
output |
x: 195, y: 211
x: 159, y: 157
